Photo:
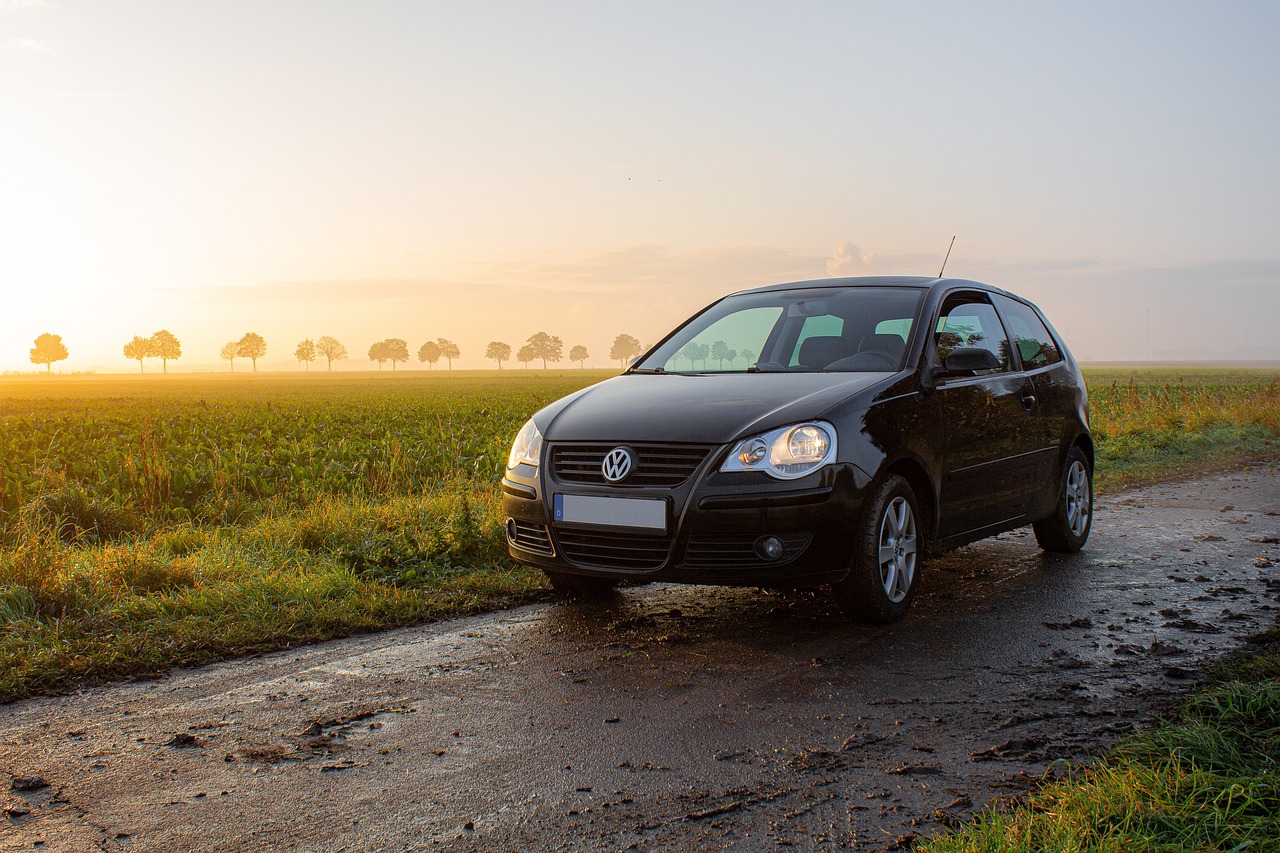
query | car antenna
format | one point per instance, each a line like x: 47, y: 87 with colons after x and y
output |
x: 944, y: 260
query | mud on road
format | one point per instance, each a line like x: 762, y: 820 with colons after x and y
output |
x: 668, y: 717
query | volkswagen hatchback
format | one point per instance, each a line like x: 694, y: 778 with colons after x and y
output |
x: 810, y: 433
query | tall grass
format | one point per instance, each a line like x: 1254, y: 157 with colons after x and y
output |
x: 1145, y: 430
x: 73, y: 613
x: 146, y: 524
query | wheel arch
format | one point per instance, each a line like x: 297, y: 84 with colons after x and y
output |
x: 926, y: 498
x: 1084, y: 441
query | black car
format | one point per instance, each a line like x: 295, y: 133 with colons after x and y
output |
x: 816, y: 432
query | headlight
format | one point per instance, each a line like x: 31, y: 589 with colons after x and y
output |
x: 527, y: 447
x: 785, y: 453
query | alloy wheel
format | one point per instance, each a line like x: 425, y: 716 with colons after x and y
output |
x: 1079, y: 500
x: 898, y: 549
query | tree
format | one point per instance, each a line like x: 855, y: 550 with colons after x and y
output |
x: 721, y: 352
x: 580, y: 355
x: 230, y: 350
x: 498, y: 351
x: 138, y: 349
x: 306, y: 352
x: 429, y: 353
x: 48, y: 349
x: 165, y: 347
x: 526, y: 355
x: 253, y: 347
x: 689, y: 352
x: 546, y: 347
x: 397, y: 350
x: 380, y: 352
x: 331, y: 349
x: 449, y: 350
x: 624, y: 347
x: 749, y: 355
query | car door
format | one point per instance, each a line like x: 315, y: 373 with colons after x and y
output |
x: 990, y: 429
x: 1055, y: 388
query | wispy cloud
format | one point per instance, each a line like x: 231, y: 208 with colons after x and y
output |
x: 646, y: 268
x: 27, y: 45
x: 332, y: 292
x: 849, y: 259
x: 23, y: 5
x: 628, y: 167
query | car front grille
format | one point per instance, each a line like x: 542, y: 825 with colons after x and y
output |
x: 634, y: 551
x: 665, y: 465
x: 531, y: 537
x: 707, y: 551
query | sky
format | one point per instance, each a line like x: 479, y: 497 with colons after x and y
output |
x: 486, y: 170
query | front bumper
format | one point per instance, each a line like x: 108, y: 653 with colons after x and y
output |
x: 715, y: 522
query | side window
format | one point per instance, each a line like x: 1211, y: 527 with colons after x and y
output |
x: 1035, y: 345
x: 969, y: 320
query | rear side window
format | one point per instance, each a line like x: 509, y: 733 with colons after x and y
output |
x: 969, y: 320
x: 1035, y: 345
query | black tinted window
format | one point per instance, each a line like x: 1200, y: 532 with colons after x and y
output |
x: 1035, y: 345
x: 969, y: 320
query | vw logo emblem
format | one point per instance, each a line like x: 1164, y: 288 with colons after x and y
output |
x: 617, y: 464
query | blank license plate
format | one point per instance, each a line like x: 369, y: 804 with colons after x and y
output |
x: 643, y: 513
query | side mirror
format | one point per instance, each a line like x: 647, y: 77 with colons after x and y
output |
x: 965, y: 359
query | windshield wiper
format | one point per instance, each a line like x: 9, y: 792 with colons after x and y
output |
x: 646, y: 370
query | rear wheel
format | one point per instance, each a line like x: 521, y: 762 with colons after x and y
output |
x: 886, y: 557
x: 1068, y: 528
x: 580, y: 586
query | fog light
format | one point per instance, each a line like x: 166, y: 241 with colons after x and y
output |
x: 511, y: 529
x: 769, y: 548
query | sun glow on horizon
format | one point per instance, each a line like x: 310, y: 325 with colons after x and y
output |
x: 423, y: 170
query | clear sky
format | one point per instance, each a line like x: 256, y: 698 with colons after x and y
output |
x: 486, y: 170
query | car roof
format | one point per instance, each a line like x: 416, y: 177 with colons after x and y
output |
x: 903, y: 281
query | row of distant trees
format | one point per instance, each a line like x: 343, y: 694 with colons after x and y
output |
x: 165, y: 346
x: 541, y: 346
x: 718, y: 350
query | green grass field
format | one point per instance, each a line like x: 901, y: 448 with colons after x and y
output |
x: 147, y: 523
x: 152, y: 522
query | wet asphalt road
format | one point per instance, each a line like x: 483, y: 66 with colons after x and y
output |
x: 669, y: 717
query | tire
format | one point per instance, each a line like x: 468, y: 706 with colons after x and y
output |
x: 580, y: 586
x: 1068, y: 528
x: 887, y: 556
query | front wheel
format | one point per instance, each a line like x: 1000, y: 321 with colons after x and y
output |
x: 887, y: 549
x: 1068, y: 528
x: 580, y: 586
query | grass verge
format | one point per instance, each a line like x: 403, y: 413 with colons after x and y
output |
x: 77, y: 612
x: 1207, y: 778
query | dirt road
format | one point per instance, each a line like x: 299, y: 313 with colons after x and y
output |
x: 669, y: 717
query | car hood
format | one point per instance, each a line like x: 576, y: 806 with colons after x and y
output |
x: 696, y: 408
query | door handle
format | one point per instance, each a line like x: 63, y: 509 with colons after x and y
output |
x: 1028, y: 400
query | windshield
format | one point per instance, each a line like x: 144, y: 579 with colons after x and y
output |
x: 845, y: 329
